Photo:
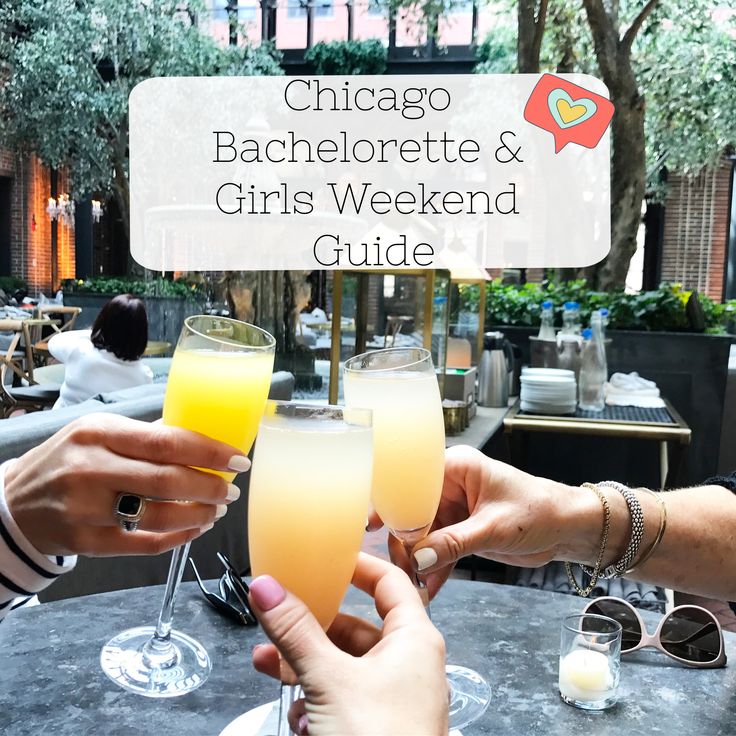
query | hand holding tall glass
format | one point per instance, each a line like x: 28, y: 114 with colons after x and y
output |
x: 400, y: 386
x: 218, y: 386
x: 309, y: 495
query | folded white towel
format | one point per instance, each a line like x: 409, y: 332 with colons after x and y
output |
x: 633, y: 382
x: 630, y: 389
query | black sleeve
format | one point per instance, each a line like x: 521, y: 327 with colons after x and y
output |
x: 727, y: 481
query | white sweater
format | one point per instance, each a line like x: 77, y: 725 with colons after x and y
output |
x: 90, y: 371
x: 24, y: 571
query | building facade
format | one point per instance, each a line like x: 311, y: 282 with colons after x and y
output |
x: 27, y: 249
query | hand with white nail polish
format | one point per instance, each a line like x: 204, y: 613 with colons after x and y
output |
x: 62, y: 494
x: 357, y: 679
x: 496, y: 511
x: 489, y: 509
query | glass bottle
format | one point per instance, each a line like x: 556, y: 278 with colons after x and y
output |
x: 571, y: 319
x: 593, y: 367
x: 547, y: 327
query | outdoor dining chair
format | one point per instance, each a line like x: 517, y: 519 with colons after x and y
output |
x: 18, y: 389
x: 61, y: 319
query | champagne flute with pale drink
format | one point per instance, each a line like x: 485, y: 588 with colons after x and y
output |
x: 309, y: 495
x: 218, y: 385
x: 400, y: 386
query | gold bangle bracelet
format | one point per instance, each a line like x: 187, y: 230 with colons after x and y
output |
x: 595, y: 572
x: 662, y: 526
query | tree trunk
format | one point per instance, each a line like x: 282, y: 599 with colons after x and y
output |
x: 628, y: 184
x: 121, y: 183
x: 121, y: 190
x: 531, y: 23
x: 628, y: 162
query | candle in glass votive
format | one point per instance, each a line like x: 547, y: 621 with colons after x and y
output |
x: 589, y: 661
x: 586, y: 676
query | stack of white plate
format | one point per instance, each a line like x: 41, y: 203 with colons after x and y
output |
x: 548, y: 391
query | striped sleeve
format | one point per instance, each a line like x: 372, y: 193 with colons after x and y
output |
x: 24, y: 571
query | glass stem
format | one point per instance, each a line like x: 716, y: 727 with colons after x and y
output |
x: 159, y: 651
x: 288, y: 696
x: 419, y: 583
x: 421, y: 587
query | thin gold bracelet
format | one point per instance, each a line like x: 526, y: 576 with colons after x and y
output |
x: 660, y: 533
x: 595, y: 572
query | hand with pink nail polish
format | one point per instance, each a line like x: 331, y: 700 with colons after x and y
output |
x: 358, y: 679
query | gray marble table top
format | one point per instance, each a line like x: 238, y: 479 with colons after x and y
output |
x: 52, y: 683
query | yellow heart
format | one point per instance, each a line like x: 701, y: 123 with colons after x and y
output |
x: 570, y: 113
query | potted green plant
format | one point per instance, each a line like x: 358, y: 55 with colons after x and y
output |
x: 650, y: 333
x: 168, y: 302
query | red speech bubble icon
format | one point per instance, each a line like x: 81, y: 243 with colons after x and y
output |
x: 572, y: 114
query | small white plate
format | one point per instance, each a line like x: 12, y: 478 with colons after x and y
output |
x: 264, y: 721
x: 546, y: 372
x: 546, y: 380
x: 261, y: 721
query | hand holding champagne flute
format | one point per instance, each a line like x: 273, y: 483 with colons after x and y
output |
x: 358, y: 678
x: 400, y: 386
x: 217, y: 386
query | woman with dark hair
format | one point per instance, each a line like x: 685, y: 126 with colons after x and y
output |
x: 107, y: 357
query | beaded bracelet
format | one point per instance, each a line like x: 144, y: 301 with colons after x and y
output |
x: 660, y: 533
x: 595, y: 572
x: 637, y: 532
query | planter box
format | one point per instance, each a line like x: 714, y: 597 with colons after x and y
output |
x: 165, y: 314
x: 691, y: 371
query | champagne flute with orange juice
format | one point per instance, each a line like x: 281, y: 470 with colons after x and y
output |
x: 400, y: 386
x: 308, y: 500
x: 218, y: 385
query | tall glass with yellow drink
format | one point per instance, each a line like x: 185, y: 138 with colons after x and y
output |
x: 218, y: 385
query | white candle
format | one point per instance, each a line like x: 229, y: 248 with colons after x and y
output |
x: 585, y: 675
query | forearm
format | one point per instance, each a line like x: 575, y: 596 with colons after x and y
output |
x: 697, y: 553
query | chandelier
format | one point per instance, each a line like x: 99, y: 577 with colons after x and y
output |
x: 61, y: 209
x: 96, y: 210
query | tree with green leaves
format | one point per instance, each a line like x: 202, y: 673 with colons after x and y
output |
x: 670, y: 67
x: 69, y: 66
x: 687, y: 65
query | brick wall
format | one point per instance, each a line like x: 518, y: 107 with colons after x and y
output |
x: 695, y: 228
x: 30, y: 247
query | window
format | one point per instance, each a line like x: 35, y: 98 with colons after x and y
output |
x: 322, y: 8
x: 246, y: 10
x: 376, y: 8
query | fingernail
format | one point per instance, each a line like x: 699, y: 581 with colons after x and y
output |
x: 238, y: 463
x: 303, y: 724
x: 233, y: 492
x: 221, y: 511
x: 266, y: 592
x: 424, y: 558
x: 206, y: 528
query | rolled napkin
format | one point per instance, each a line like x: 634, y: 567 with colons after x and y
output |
x: 630, y: 389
